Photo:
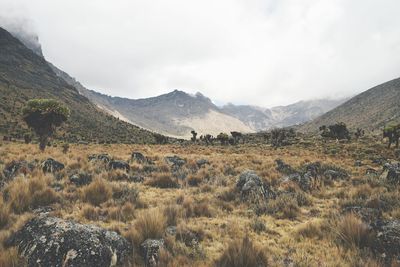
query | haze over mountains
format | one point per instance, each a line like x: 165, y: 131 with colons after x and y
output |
x: 177, y: 113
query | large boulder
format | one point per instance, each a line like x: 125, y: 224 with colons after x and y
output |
x: 118, y: 164
x: 51, y: 166
x: 150, y: 250
x: 50, y: 241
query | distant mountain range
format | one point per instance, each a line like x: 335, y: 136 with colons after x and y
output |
x: 177, y: 113
x: 25, y: 74
x: 370, y: 110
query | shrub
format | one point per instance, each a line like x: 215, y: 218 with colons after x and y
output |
x: 97, y: 192
x: 242, y: 253
x: 163, y: 180
x: 353, y: 232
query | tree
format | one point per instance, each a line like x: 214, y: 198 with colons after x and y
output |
x: 335, y: 131
x: 223, y: 138
x: 392, y: 132
x: 194, y: 136
x: 44, y: 116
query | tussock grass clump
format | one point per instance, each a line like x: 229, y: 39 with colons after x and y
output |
x: 197, y: 208
x: 97, y: 192
x: 285, y: 206
x: 172, y: 214
x: 10, y: 258
x: 318, y: 230
x: 4, y: 214
x: 24, y: 194
x: 353, y: 232
x: 242, y: 253
x: 258, y: 225
x: 148, y: 224
x: 163, y: 180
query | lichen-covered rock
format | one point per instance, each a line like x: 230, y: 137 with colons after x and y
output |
x: 51, y: 166
x: 118, y: 164
x: 368, y: 215
x: 81, y: 178
x: 138, y: 157
x: 393, y: 173
x: 202, y: 162
x: 284, y: 168
x: 252, y: 188
x: 15, y: 167
x: 150, y: 251
x: 175, y: 161
x: 104, y: 158
x: 387, y: 243
x: 50, y: 241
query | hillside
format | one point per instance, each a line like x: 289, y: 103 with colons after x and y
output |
x: 25, y: 75
x: 282, y: 116
x: 369, y: 110
x: 175, y: 114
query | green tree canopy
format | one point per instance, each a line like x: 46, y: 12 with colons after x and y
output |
x: 44, y: 116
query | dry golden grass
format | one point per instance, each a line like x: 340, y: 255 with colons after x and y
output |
x: 302, y: 228
x: 242, y: 253
x: 99, y: 191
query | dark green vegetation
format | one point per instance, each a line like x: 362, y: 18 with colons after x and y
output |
x: 25, y: 75
x: 392, y: 132
x: 43, y: 116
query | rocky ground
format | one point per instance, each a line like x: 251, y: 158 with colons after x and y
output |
x: 312, y: 203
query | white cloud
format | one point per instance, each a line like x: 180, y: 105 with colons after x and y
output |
x: 258, y: 52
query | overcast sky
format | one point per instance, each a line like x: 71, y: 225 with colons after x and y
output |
x: 266, y: 53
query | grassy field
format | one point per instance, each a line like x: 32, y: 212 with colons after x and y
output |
x: 303, y: 228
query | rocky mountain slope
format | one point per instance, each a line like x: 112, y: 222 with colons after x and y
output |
x: 282, y: 116
x: 25, y: 74
x: 369, y: 110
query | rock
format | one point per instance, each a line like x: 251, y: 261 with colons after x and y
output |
x: 118, y: 164
x: 284, y: 168
x: 81, y: 179
x: 104, y: 158
x: 368, y: 215
x: 51, y: 166
x: 335, y: 174
x: 387, y: 242
x: 175, y: 161
x: 251, y: 187
x: 150, y: 251
x: 202, y: 162
x: 136, y: 179
x: 393, y: 173
x: 50, y: 241
x: 138, y: 157
x: 16, y: 167
x: 358, y: 163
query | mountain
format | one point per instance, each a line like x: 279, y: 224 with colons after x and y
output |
x: 369, y: 110
x: 260, y: 119
x: 25, y: 74
x: 175, y: 114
